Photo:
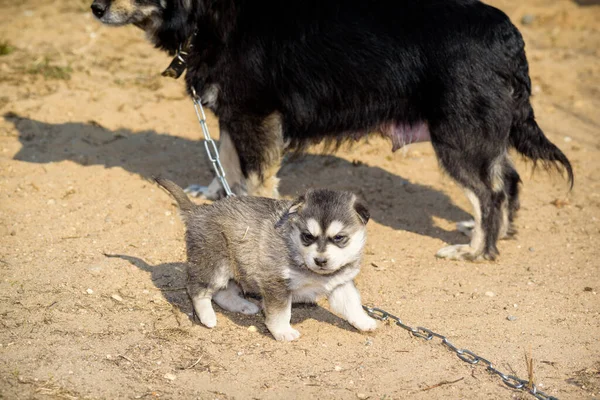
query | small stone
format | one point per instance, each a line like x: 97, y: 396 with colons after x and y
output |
x: 13, y: 233
x: 531, y: 249
x: 117, y: 297
x: 369, y: 342
x: 568, y: 139
x: 362, y: 396
x: 490, y: 294
x: 170, y: 377
x: 145, y: 291
x: 588, y: 289
x: 252, y: 328
x: 51, y: 202
x: 337, y: 368
x: 89, y: 291
x: 511, y: 318
x: 527, y: 19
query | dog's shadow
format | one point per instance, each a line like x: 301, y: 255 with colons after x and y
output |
x: 170, y: 279
x: 393, y: 201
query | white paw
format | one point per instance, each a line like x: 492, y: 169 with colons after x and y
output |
x: 365, y: 323
x: 211, y: 192
x: 457, y: 252
x: 249, y: 308
x: 209, y: 322
x: 286, y: 335
x: 466, y: 227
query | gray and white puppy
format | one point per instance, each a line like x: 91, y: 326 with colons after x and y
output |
x: 284, y: 251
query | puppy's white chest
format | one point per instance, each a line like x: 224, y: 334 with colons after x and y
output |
x: 308, y: 287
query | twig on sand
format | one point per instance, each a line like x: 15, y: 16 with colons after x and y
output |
x: 194, y: 364
x: 441, y: 384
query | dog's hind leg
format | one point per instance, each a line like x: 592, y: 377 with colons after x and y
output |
x: 481, y: 176
x: 231, y: 299
x: 509, y: 206
x: 201, y: 288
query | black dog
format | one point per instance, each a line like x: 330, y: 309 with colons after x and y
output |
x: 285, y: 74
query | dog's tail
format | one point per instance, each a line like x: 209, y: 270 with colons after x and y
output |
x: 525, y: 134
x: 184, y: 202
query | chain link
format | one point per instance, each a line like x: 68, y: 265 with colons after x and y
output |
x: 210, y: 145
x: 464, y: 354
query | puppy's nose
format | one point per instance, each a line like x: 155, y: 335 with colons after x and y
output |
x: 321, y: 261
x: 98, y: 9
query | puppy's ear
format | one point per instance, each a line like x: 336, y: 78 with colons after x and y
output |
x: 362, y: 211
x: 293, y: 210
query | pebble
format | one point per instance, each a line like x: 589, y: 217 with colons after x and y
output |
x: 252, y: 328
x: 527, y: 19
x: 170, y: 377
x: 511, y: 318
x: 117, y: 297
x: 89, y: 291
x: 490, y: 294
x: 531, y: 249
x: 337, y: 368
x: 51, y: 202
x: 369, y: 342
x: 568, y: 139
x: 362, y: 396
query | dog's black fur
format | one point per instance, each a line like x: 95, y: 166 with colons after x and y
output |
x: 339, y: 69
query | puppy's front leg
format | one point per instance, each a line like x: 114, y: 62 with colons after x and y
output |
x: 345, y: 300
x: 278, y: 313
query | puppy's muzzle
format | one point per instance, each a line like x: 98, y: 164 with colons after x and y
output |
x: 98, y: 9
x: 320, y: 261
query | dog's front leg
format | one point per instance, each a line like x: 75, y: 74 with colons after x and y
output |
x: 345, y: 300
x: 278, y: 313
x: 230, y: 161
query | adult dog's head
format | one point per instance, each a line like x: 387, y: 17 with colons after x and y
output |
x: 166, y: 22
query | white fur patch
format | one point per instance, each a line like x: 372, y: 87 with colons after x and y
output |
x: 313, y: 227
x: 338, y: 257
x: 334, y: 228
x: 477, y: 237
x: 210, y: 96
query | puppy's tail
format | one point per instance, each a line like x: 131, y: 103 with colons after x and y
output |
x: 184, y: 202
x: 525, y: 134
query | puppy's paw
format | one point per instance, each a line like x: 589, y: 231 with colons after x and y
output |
x: 286, y: 335
x: 364, y: 323
x: 249, y: 308
x: 209, y: 321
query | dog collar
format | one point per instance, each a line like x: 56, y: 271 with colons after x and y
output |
x: 179, y: 62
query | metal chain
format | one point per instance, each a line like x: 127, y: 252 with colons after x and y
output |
x: 210, y: 146
x: 464, y: 354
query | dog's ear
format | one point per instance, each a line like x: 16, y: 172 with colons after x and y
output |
x: 293, y: 210
x: 362, y: 211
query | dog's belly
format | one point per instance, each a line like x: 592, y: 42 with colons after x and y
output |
x: 402, y: 134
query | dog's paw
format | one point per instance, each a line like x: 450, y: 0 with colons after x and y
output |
x: 208, y: 192
x: 365, y: 323
x: 466, y: 227
x: 463, y: 252
x: 209, y: 321
x: 249, y: 308
x: 286, y: 335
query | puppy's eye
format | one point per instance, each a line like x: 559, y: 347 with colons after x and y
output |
x: 338, y: 239
x: 307, y: 238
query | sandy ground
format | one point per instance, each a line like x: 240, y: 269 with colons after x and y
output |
x: 85, y: 119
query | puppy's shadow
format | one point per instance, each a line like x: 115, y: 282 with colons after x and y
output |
x: 393, y: 201
x: 170, y: 279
